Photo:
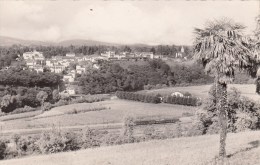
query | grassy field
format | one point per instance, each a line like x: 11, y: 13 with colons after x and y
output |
x: 115, y: 113
x: 247, y: 90
x: 242, y: 148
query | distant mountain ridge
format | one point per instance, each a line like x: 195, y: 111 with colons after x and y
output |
x: 9, y: 41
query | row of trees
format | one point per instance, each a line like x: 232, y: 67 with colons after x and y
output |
x: 138, y: 97
x: 188, y: 101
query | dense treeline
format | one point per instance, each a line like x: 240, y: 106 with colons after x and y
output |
x: 190, y: 74
x: 18, y: 97
x: 138, y: 97
x: 188, y: 101
x: 27, y: 78
x: 19, y: 88
x: 112, y: 77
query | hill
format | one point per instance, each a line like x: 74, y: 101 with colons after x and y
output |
x: 79, y: 42
x: 9, y: 41
x: 242, y: 148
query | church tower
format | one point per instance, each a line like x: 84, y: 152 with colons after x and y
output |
x: 182, y: 49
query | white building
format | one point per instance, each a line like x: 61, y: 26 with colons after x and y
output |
x: 147, y: 54
x: 96, y: 66
x: 57, y: 68
x: 80, y: 69
x: 177, y: 94
x: 30, y: 63
x: 38, y: 68
x: 109, y: 54
x: 68, y: 78
x: 33, y: 55
x: 70, y: 55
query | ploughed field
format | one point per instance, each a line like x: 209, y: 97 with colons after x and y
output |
x: 242, y: 148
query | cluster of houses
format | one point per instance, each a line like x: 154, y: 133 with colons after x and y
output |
x: 111, y: 55
x: 63, y: 64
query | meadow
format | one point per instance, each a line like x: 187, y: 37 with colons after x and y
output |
x: 116, y: 110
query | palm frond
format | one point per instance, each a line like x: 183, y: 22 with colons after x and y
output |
x: 222, y: 42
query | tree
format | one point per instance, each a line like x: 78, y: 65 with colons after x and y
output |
x: 222, y: 48
x: 257, y: 52
x: 9, y: 103
x: 55, y: 95
x: 42, y: 96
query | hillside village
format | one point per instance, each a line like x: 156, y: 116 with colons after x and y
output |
x: 71, y: 64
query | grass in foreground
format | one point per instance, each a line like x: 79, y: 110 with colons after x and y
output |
x: 242, y: 148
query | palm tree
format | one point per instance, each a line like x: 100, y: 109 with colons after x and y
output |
x: 222, y: 48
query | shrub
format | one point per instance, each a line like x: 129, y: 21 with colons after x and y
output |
x: 243, y: 113
x: 61, y: 103
x: 47, y: 106
x: 128, y: 127
x: 55, y: 141
x: 3, y: 149
x: 90, y: 138
x: 24, y: 109
x: 27, y: 146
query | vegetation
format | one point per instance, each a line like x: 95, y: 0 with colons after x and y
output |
x: 138, y: 97
x: 222, y: 48
x: 242, y: 114
x: 26, y: 78
x: 112, y: 77
x: 188, y: 101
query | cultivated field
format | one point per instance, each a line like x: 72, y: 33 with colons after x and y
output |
x: 115, y: 112
x: 242, y: 148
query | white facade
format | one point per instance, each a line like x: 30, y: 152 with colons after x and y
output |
x: 38, y: 68
x: 70, y: 55
x: 57, y: 68
x: 109, y: 54
x: 177, y: 94
x: 68, y: 78
x: 33, y: 55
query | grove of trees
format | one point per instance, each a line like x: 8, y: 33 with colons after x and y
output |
x: 112, y: 77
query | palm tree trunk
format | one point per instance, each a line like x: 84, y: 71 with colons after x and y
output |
x: 221, y: 108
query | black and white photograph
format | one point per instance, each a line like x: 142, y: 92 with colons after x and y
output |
x: 129, y: 82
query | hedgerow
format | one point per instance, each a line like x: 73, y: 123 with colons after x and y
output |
x: 138, y: 97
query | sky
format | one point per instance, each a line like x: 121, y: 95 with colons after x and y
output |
x: 125, y: 22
